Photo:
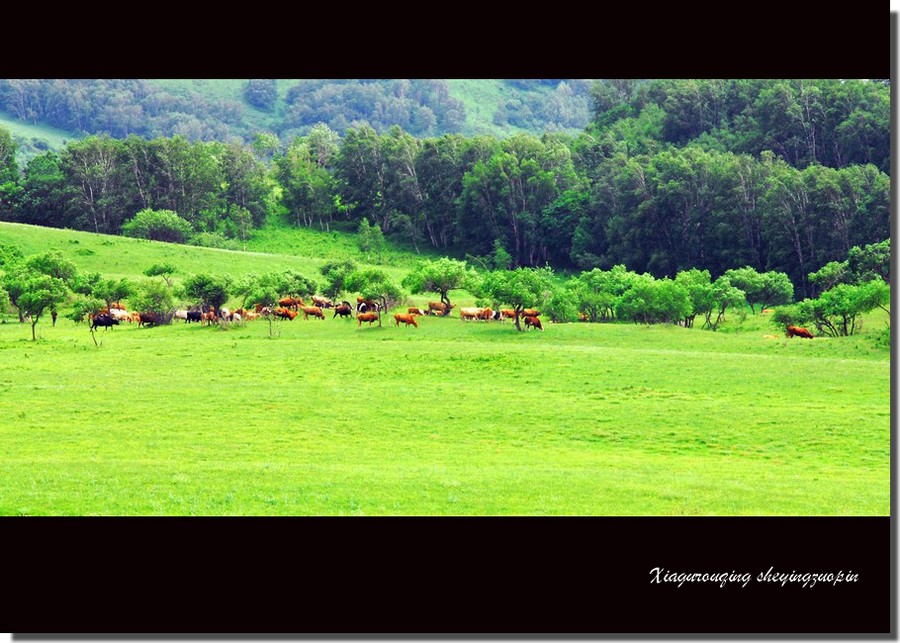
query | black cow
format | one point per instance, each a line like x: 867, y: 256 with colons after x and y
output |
x: 344, y: 310
x: 193, y: 316
x: 104, y: 320
x: 150, y: 319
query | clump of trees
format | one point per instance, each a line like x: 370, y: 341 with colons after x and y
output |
x: 208, y: 290
x: 261, y: 93
x: 99, y: 183
x: 762, y: 289
x: 420, y: 106
x: 37, y: 284
x: 850, y: 288
x: 154, y: 298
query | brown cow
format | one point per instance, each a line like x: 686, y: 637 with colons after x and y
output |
x: 315, y: 311
x: 486, y: 314
x: 291, y: 302
x: 285, y: 313
x: 322, y: 302
x: 439, y: 307
x: 533, y: 321
x: 509, y: 313
x: 209, y: 317
x: 406, y: 319
x: 415, y: 311
x: 530, y: 312
x: 344, y: 310
x: 796, y: 331
x: 366, y: 317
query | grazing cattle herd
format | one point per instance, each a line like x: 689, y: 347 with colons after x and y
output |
x: 367, y: 311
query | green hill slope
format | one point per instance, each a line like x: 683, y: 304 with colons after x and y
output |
x: 116, y: 256
x: 34, y: 139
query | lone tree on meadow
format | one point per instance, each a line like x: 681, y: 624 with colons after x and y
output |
x: 374, y: 284
x: 112, y: 290
x: 763, y: 288
x: 293, y: 283
x: 53, y: 264
x: 151, y: 296
x: 440, y: 276
x: 262, y: 291
x: 164, y: 270
x: 209, y: 290
x: 21, y: 284
x: 520, y: 288
x: 39, y: 293
x: 13, y: 281
x: 336, y: 273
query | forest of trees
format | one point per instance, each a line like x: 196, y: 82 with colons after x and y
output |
x: 422, y: 107
x: 668, y: 176
x: 120, y: 108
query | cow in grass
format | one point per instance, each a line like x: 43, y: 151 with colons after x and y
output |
x: 105, y: 320
x: 344, y: 310
x: 366, y: 317
x: 315, y: 311
x: 149, y: 319
x: 470, y: 313
x: 366, y: 305
x: 796, y: 331
x: 439, y: 308
x: 533, y: 322
x: 405, y: 318
x: 292, y: 303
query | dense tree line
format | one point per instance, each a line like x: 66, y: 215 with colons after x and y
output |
x: 549, y: 104
x: 670, y: 176
x: 99, y: 183
x: 119, y: 108
x: 419, y: 106
x: 831, y: 122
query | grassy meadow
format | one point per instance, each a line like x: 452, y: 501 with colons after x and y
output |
x: 451, y: 418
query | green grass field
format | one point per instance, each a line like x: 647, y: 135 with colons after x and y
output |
x: 299, y: 249
x: 450, y: 418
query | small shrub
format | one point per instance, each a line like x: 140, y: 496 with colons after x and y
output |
x: 158, y: 225
x: 214, y: 240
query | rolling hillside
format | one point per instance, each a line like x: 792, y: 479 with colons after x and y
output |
x: 116, y: 256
